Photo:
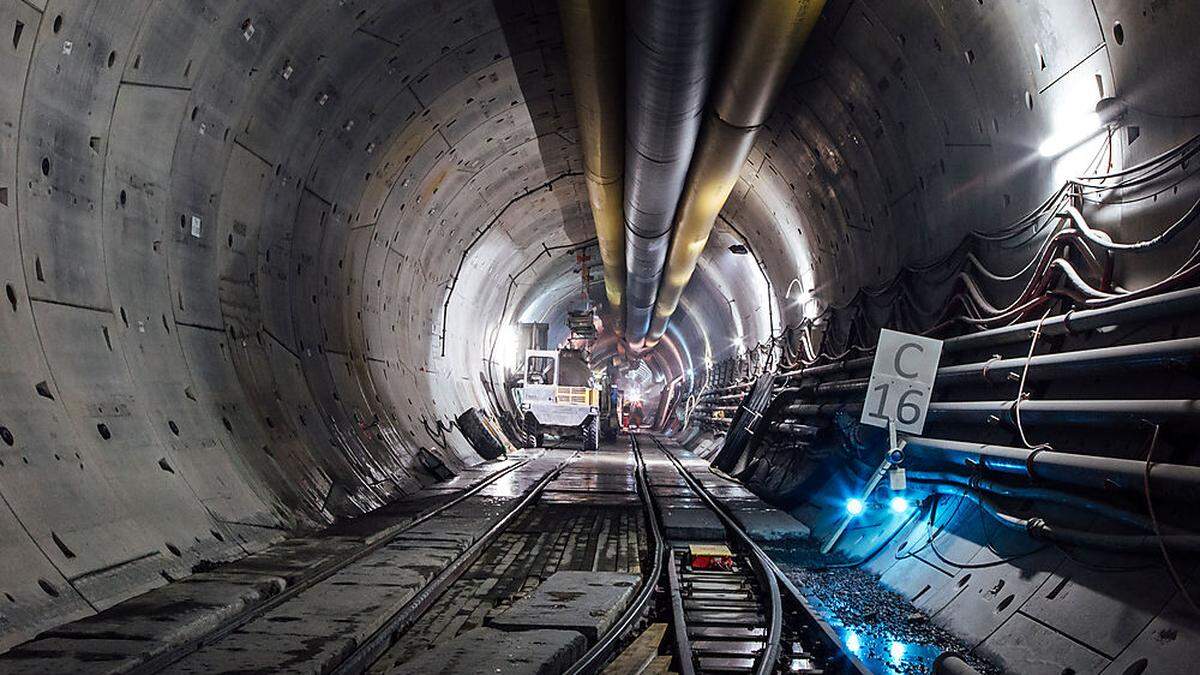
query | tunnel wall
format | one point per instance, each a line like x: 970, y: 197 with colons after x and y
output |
x: 228, y: 232
x: 907, y: 126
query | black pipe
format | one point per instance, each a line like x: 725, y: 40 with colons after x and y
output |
x: 951, y: 663
x: 1038, y: 494
x: 1162, y: 354
x: 1152, y: 308
x: 1174, y: 481
x: 1038, y: 528
x: 1091, y: 412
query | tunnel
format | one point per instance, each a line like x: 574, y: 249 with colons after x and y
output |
x: 275, y: 272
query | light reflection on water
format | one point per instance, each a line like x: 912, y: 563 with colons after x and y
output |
x: 887, y: 656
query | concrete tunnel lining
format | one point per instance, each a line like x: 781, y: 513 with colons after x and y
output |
x: 227, y: 232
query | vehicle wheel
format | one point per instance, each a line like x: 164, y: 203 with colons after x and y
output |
x: 591, y: 434
x: 608, y: 431
x: 471, y: 424
x: 534, y: 429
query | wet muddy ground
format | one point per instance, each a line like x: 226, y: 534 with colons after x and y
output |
x: 878, y: 625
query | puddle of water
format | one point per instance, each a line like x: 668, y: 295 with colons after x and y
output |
x: 884, y: 655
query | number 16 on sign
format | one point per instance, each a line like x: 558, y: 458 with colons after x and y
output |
x: 901, y: 381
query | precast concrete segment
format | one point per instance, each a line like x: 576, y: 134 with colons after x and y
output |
x: 486, y: 650
x: 586, y: 602
x: 686, y: 517
x: 589, y: 537
x: 140, y: 632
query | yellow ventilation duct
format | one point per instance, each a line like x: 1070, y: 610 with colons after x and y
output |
x: 594, y: 34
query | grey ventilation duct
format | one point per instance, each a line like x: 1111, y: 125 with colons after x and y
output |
x: 767, y: 37
x: 670, y: 51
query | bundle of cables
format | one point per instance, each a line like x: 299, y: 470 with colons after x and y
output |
x: 1070, y: 267
x: 745, y: 424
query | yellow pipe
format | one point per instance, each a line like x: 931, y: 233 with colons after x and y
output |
x: 768, y: 36
x: 593, y: 31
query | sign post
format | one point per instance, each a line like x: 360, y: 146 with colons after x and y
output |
x: 901, y: 381
x: 897, y: 400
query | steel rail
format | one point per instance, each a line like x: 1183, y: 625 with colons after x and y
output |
x: 687, y: 659
x: 599, y: 654
x: 380, y: 641
x: 164, y: 660
x: 770, y: 655
x: 828, y: 636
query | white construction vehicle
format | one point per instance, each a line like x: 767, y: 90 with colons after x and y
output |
x: 560, y: 396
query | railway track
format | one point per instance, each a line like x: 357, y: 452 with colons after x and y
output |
x: 731, y: 609
x: 366, y: 651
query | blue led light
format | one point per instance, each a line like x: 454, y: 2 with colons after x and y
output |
x: 896, y: 651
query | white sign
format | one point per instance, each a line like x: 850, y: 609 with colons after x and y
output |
x: 901, y: 381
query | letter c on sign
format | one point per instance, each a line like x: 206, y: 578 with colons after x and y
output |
x: 900, y: 354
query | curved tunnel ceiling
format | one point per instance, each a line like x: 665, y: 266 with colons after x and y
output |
x: 229, y: 232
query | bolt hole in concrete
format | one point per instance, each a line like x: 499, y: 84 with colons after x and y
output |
x: 58, y: 21
x: 174, y: 427
x: 1137, y: 667
x: 112, y: 58
x: 45, y: 166
x: 104, y: 432
x: 174, y: 550
x: 1118, y: 32
x: 6, y: 436
x: 1008, y: 600
x: 12, y: 296
x: 48, y: 588
x: 66, y: 551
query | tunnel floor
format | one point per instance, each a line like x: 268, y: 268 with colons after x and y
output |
x: 373, y: 594
x: 565, y: 530
x: 881, y: 627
